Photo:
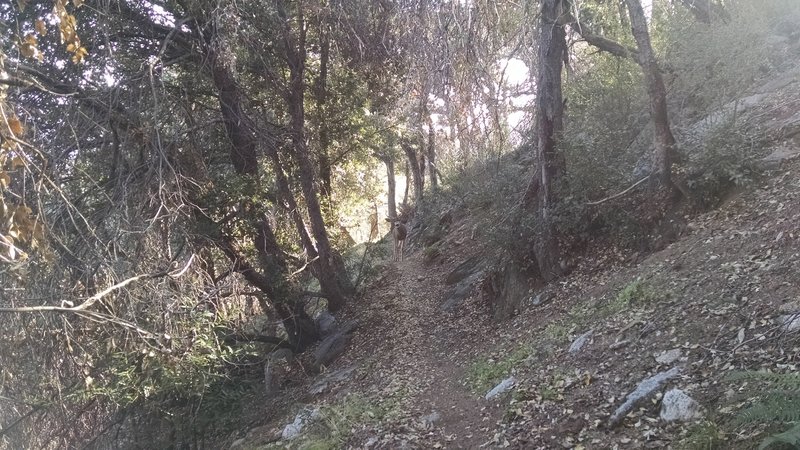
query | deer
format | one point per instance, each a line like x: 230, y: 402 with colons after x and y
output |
x: 399, y: 233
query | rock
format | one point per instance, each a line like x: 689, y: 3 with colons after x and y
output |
x: 303, y: 418
x: 429, y: 420
x: 505, y: 288
x: 463, y: 270
x: 580, y: 341
x: 332, y: 346
x: 669, y: 356
x: 271, y: 380
x: 337, y: 376
x: 237, y: 443
x: 790, y: 322
x: 501, y: 388
x: 370, y: 442
x: 677, y: 406
x: 778, y: 157
x: 325, y: 322
x: 645, y: 388
x: 461, y: 291
x: 540, y: 299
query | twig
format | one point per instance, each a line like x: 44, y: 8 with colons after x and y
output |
x: 620, y: 194
x: 96, y: 297
x: 304, y: 267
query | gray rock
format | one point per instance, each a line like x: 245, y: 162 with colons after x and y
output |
x: 303, y: 419
x: 580, y: 341
x: 505, y: 288
x: 239, y: 443
x: 790, y: 322
x: 429, y: 420
x: 461, y: 291
x: 644, y: 390
x: 325, y: 322
x: 501, y: 388
x: 677, y: 406
x: 669, y: 356
x: 780, y: 155
x: 332, y: 346
x: 337, y: 376
x: 463, y: 270
x: 540, y: 299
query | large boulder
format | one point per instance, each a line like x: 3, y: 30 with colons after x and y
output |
x: 332, y: 346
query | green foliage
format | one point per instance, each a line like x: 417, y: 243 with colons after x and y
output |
x: 734, y: 52
x: 725, y: 159
x: 703, y: 436
x: 338, y: 420
x: 636, y: 293
x: 485, y: 373
x: 789, y: 438
x: 775, y: 398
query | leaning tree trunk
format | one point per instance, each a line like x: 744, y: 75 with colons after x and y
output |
x: 416, y: 173
x: 332, y: 275
x: 664, y: 140
x: 285, y: 296
x: 549, y: 124
x: 408, y: 184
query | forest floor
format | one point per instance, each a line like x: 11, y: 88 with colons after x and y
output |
x: 712, y: 300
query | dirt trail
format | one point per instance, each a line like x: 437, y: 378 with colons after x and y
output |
x: 414, y: 344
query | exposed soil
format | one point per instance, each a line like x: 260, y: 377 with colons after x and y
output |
x: 714, y: 294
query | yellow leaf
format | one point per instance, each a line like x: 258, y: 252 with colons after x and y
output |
x: 77, y: 3
x: 71, y: 48
x: 17, y: 161
x: 41, y: 27
x: 31, y: 39
x: 16, y: 126
x: 5, y: 180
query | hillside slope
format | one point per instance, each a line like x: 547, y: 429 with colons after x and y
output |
x: 710, y: 303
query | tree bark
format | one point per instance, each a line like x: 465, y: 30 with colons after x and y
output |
x: 416, y: 173
x: 321, y: 97
x: 664, y: 140
x: 549, y: 124
x: 430, y: 145
x: 243, y: 144
x: 332, y: 274
x: 390, y: 197
x: 408, y: 184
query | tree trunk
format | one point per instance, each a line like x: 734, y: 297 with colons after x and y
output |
x: 408, y: 184
x: 416, y: 173
x: 390, y: 187
x: 332, y: 274
x: 243, y: 144
x: 321, y: 97
x: 549, y: 124
x: 273, y: 283
x: 664, y: 140
x: 430, y: 147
